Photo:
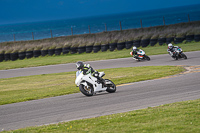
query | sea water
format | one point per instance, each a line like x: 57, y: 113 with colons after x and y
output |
x: 95, y: 24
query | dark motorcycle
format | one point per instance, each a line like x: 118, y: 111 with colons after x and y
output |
x: 178, y: 54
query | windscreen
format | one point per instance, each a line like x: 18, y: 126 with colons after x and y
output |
x: 77, y: 73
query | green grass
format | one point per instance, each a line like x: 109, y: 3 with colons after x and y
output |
x: 26, y: 88
x: 69, y: 58
x: 180, y: 117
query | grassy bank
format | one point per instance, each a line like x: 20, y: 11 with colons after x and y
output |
x: 180, y: 117
x: 51, y: 60
x: 180, y: 30
x: 26, y: 88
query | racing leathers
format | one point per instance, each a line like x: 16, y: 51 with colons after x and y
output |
x: 88, y: 69
x: 135, y: 53
x: 171, y: 50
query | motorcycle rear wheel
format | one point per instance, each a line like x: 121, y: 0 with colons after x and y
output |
x: 111, y: 89
x: 86, y: 91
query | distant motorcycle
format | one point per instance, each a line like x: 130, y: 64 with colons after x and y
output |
x: 89, y: 85
x: 141, y: 56
x: 178, y: 54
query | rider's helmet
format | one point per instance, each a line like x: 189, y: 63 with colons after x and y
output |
x: 134, y: 48
x: 79, y: 65
x: 170, y: 46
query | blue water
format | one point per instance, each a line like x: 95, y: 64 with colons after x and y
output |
x: 130, y: 20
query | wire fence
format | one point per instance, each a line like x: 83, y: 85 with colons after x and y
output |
x: 93, y: 28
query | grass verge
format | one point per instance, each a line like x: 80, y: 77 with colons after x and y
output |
x: 69, y: 58
x: 179, y: 117
x: 26, y: 88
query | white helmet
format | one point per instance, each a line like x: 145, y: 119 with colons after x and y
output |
x: 170, y: 45
x: 134, y: 48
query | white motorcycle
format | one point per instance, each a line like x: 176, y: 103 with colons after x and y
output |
x: 89, y: 85
x: 141, y: 56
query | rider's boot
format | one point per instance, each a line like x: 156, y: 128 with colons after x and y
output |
x: 101, y: 80
x: 175, y: 56
x: 135, y: 58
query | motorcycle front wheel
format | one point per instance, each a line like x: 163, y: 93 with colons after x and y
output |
x: 147, y: 58
x: 183, y: 56
x: 88, y: 91
x: 111, y: 87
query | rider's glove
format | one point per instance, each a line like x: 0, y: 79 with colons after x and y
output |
x: 96, y: 74
x: 84, y: 73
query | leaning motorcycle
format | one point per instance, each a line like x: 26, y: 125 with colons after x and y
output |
x: 89, y: 85
x: 141, y: 56
x: 178, y: 54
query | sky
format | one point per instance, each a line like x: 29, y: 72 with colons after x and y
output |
x: 21, y: 11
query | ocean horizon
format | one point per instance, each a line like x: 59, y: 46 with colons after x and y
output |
x: 95, y: 24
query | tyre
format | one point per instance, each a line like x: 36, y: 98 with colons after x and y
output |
x: 58, y: 51
x: 153, y: 42
x: 136, y: 43
x: 129, y: 44
x: 110, y: 88
x: 179, y: 40
x: 169, y: 40
x: 189, y: 38
x: 1, y: 57
x: 44, y: 52
x: 120, y: 46
x: 89, y: 49
x: 86, y: 91
x: 73, y: 50
x: 7, y: 56
x: 104, y: 47
x: 197, y: 38
x: 51, y: 52
x: 183, y: 56
x: 175, y: 57
x: 96, y: 48
x: 22, y: 55
x: 147, y: 58
x: 161, y: 41
x: 14, y: 56
x: 112, y: 46
x: 65, y: 50
x: 145, y: 42
x: 29, y: 54
x: 36, y: 53
x: 81, y: 49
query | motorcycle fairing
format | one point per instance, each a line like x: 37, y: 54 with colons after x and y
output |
x: 92, y: 80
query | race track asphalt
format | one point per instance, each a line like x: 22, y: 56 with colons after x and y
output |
x: 133, y: 96
x: 156, y: 60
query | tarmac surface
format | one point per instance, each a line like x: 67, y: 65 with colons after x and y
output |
x: 133, y: 96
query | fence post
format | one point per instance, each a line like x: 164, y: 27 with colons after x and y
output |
x: 72, y: 31
x: 188, y: 18
x: 32, y: 36
x: 163, y: 20
x: 141, y: 22
x: 14, y: 37
x: 120, y: 25
x: 105, y: 28
x: 51, y: 34
x: 89, y: 28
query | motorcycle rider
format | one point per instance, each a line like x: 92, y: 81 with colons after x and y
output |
x: 134, y: 52
x: 86, y: 68
x: 171, y: 49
